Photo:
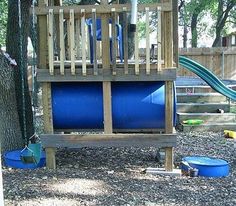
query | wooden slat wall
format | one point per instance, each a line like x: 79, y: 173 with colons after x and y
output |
x: 221, y: 61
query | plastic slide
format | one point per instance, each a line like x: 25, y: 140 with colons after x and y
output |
x: 207, y: 76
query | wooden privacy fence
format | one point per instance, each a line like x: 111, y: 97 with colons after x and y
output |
x: 220, y: 60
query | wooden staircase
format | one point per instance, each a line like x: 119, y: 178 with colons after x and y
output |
x: 213, y: 108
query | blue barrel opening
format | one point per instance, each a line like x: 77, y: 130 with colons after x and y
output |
x: 135, y: 105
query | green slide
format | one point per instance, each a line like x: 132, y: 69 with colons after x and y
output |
x: 207, y: 76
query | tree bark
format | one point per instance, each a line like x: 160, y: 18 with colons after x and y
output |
x: 13, y: 44
x: 10, y: 132
x: 194, y: 30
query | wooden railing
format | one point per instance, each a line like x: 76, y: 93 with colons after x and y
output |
x: 67, y: 38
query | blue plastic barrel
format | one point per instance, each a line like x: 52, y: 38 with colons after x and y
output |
x: 135, y: 105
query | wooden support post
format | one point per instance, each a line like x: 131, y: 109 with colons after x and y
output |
x: 125, y: 31
x: 83, y: 41
x: 169, y: 122
x: 169, y: 159
x: 51, y: 157
x: 106, y: 85
x: 48, y: 123
x: 62, y: 41
x: 168, y: 61
x: 147, y: 41
x: 72, y: 41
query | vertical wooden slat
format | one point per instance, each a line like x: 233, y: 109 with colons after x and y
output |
x: 68, y: 48
x: 72, y: 40
x: 159, y: 39
x: 83, y: 41
x: 62, y: 42
x: 106, y: 85
x: 125, y: 33
x: 114, y: 40
x: 168, y: 40
x: 77, y: 39
x: 50, y: 42
x: 147, y: 42
x: 136, y: 52
x: 94, y: 20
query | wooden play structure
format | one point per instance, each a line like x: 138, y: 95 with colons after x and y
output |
x: 84, y: 102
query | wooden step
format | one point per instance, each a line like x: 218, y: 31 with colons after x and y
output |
x: 215, y: 127
x: 207, y: 117
x: 202, y: 107
x: 198, y: 89
x: 200, y: 97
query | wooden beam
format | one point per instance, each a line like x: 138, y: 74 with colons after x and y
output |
x: 108, y: 140
x: 106, y: 75
x: 104, y: 9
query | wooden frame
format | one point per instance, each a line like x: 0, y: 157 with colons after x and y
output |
x: 74, y: 71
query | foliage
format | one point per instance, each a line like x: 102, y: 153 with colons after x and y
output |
x: 3, y: 21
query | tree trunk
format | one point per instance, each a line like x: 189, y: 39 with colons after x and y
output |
x: 185, y: 37
x: 10, y: 132
x: 194, y: 30
x: 13, y: 48
x: 222, y: 16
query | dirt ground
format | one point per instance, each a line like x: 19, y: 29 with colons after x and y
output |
x: 113, y: 176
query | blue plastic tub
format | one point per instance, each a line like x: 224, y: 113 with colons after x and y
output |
x: 12, y: 159
x: 207, y: 166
